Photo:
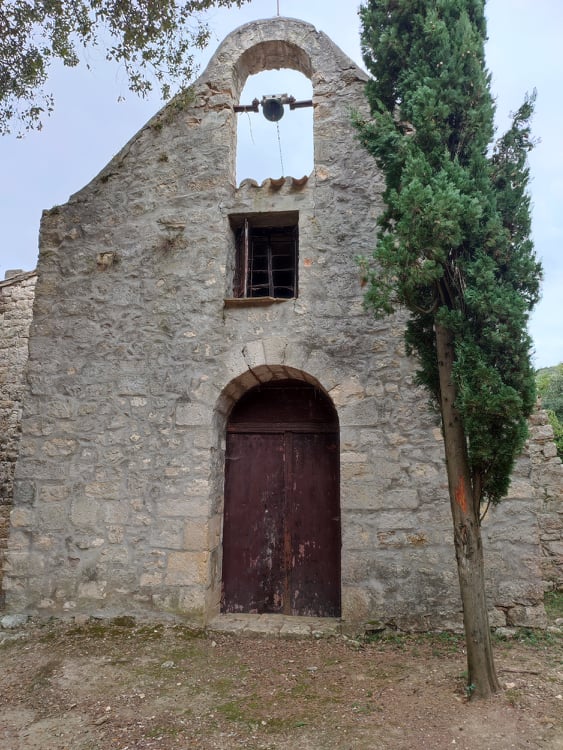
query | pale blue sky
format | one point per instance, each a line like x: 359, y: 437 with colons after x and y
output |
x: 89, y: 126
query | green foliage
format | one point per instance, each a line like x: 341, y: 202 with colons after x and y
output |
x: 153, y: 40
x: 469, y: 690
x: 557, y: 426
x: 454, y: 246
x: 549, y: 382
x: 535, y: 638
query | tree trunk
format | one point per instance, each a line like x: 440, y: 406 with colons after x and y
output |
x: 482, y: 679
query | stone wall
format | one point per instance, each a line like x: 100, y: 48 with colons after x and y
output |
x: 512, y: 544
x: 16, y: 303
x: 547, y: 477
x: 138, y: 353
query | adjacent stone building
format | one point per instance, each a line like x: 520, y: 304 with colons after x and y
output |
x: 212, y: 423
x: 16, y: 303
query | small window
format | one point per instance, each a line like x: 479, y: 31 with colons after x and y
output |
x: 266, y: 256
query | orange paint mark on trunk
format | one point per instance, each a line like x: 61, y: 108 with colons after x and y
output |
x: 460, y: 496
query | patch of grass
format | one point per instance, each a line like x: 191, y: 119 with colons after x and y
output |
x: 118, y: 627
x: 276, y: 724
x: 501, y: 638
x: 123, y: 621
x: 331, y: 661
x: 223, y: 686
x: 187, y: 633
x: 185, y: 652
x: 553, y: 603
x: 50, y: 636
x: 362, y: 708
x: 150, y: 632
x: 166, y: 730
x: 90, y: 630
x: 301, y: 690
x: 446, y: 641
x: 232, y: 710
x: 389, y: 637
x: 449, y: 639
x: 250, y: 711
x: 513, y: 697
x: 536, y: 638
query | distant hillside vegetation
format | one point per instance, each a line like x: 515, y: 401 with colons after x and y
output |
x: 549, y: 382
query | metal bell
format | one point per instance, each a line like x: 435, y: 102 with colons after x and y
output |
x: 272, y: 108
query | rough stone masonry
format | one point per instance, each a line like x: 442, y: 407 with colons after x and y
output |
x: 139, y: 350
x: 16, y: 304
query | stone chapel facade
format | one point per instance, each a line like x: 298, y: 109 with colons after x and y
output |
x: 211, y: 421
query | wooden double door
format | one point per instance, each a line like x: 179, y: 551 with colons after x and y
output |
x: 281, y: 535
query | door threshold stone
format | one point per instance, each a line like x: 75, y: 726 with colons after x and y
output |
x: 278, y: 626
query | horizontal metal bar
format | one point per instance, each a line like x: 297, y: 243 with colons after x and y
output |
x: 299, y: 105
x: 247, y: 107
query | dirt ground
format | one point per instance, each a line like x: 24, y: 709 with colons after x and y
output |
x: 126, y: 686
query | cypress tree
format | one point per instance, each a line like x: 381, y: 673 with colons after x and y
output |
x: 454, y: 249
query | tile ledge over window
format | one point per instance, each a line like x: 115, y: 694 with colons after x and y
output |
x: 255, y: 301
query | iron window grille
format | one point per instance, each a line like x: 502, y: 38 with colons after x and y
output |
x: 266, y: 256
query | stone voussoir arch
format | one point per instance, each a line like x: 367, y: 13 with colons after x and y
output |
x: 273, y: 44
x: 259, y: 375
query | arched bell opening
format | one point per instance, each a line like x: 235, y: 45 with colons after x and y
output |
x: 276, y: 140
x: 281, y: 525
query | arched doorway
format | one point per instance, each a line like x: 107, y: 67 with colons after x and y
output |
x: 281, y: 536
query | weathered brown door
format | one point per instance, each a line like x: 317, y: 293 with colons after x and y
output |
x: 281, y: 537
